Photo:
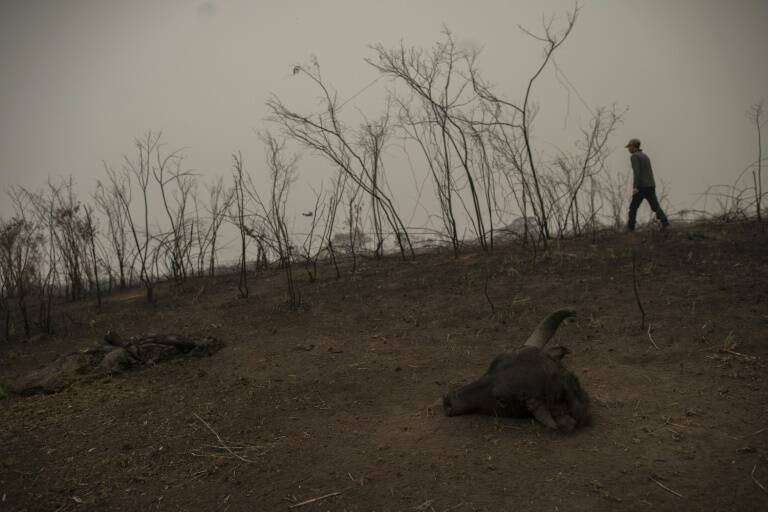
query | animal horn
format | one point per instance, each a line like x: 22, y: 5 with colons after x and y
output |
x: 547, y: 328
x: 541, y: 413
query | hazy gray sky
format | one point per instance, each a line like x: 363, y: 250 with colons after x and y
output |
x: 80, y: 78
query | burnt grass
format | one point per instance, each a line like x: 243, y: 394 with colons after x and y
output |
x: 336, y: 402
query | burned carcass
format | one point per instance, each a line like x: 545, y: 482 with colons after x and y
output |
x: 113, y: 356
x: 529, y: 381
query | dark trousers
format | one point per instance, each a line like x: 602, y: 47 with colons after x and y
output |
x: 649, y: 194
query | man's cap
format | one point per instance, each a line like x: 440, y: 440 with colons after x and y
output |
x: 633, y: 142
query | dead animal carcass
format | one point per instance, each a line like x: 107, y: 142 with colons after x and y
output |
x: 530, y: 381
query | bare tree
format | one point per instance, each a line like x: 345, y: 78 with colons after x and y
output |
x: 282, y: 172
x: 437, y: 158
x: 68, y: 230
x: 239, y: 216
x: 617, y: 192
x: 59, y: 209
x: 755, y: 114
x: 107, y: 198
x: 524, y: 112
x: 372, y: 139
x: 583, y: 166
x: 480, y: 137
x: 20, y: 256
x: 89, y: 236
x: 147, y: 150
x: 310, y: 252
x: 5, y: 292
x: 508, y: 158
x: 326, y: 134
x: 219, y: 201
x: 44, y: 209
x: 166, y: 170
x: 334, y: 199
x: 441, y: 127
x: 354, y: 239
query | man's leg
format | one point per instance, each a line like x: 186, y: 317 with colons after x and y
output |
x: 656, y: 207
x: 637, y: 198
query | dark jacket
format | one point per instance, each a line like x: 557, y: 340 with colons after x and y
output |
x: 642, y: 171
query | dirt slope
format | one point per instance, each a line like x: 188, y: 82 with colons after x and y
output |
x: 332, y: 402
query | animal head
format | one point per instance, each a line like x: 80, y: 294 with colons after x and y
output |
x: 529, y: 381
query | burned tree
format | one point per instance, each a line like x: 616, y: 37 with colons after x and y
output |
x: 521, y: 115
x: 240, y: 221
x: 167, y: 172
x: 334, y: 199
x: 59, y: 209
x: 355, y: 238
x: 107, y: 199
x: 148, y: 149
x: 372, y: 139
x: 20, y: 257
x: 310, y: 251
x: 326, y: 134
x: 755, y: 115
x: 89, y: 235
x: 579, y: 169
x: 282, y: 173
x: 436, y: 117
x: 220, y: 199
x: 44, y: 208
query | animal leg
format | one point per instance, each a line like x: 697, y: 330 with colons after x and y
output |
x: 565, y: 423
x: 541, y: 413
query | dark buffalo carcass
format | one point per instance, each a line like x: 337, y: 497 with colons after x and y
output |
x: 530, y: 381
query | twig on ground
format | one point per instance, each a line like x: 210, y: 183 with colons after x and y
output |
x: 651, y: 337
x: 665, y: 487
x: 360, y: 481
x: 307, y: 502
x: 667, y: 421
x: 745, y: 356
x: 221, y: 441
x: 198, y: 474
x: 427, y: 504
x: 757, y: 482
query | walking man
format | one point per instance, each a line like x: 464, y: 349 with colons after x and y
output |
x: 643, y: 185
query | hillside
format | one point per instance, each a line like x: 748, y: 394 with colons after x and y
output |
x: 334, y: 402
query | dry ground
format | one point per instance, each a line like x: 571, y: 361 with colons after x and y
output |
x: 332, y: 402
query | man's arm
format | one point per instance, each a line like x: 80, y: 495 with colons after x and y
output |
x: 635, y: 161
